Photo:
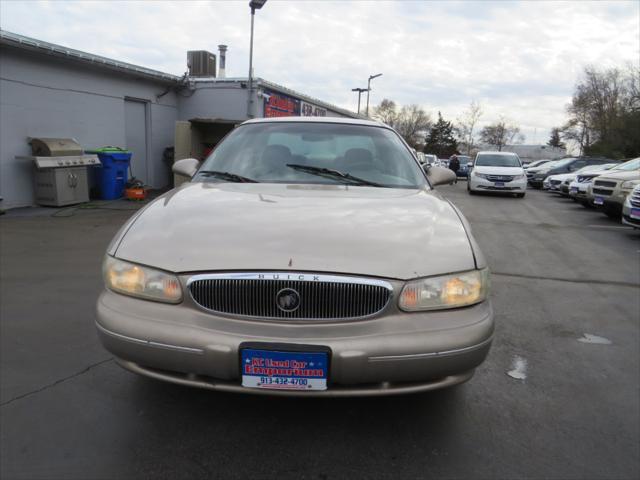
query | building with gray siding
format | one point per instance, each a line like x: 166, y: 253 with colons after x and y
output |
x: 47, y: 90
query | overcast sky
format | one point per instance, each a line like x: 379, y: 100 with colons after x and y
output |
x: 518, y: 59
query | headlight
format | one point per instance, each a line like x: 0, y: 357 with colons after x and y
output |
x: 138, y: 281
x: 519, y: 177
x: 446, y: 291
x: 479, y: 175
x: 628, y: 185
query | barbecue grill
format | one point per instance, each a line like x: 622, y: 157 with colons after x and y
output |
x: 60, y: 171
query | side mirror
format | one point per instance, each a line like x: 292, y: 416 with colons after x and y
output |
x: 186, y: 167
x: 470, y: 165
x: 440, y: 176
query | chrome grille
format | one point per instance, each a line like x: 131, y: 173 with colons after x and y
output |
x: 604, y: 183
x: 500, y: 178
x: 584, y: 178
x: 635, y: 197
x: 602, y: 191
x: 321, y: 297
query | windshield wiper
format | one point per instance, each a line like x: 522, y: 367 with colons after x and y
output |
x: 329, y: 172
x: 231, y: 177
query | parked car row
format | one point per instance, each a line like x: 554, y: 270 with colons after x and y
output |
x: 537, y: 174
x: 613, y: 188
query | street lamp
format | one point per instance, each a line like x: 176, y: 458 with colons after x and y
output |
x: 254, y: 5
x: 359, y: 90
x: 369, y: 89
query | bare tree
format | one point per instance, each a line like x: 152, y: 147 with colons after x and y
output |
x: 386, y: 112
x: 500, y: 134
x: 412, y: 122
x: 578, y: 129
x: 466, y: 125
x: 604, y: 113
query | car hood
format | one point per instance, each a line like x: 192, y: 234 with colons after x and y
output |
x: 628, y: 175
x: 499, y: 170
x: 540, y: 168
x: 561, y: 176
x: 394, y: 233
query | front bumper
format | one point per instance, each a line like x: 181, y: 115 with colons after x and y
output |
x: 578, y: 191
x: 627, y: 219
x: 395, y: 352
x: 536, y: 181
x: 612, y: 202
x: 481, y: 184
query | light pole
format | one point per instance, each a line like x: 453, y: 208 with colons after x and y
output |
x: 254, y: 5
x: 369, y: 89
x: 359, y: 90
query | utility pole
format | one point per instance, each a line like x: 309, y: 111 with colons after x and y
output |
x: 359, y: 90
x: 254, y: 5
x: 369, y: 88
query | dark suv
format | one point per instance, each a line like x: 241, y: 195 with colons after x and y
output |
x: 566, y: 165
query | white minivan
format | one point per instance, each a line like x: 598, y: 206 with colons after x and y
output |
x: 497, y: 172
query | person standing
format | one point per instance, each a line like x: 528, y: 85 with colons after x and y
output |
x: 454, y: 164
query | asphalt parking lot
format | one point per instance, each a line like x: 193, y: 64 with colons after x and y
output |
x: 558, y: 396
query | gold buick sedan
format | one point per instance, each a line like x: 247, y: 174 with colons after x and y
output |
x: 306, y: 256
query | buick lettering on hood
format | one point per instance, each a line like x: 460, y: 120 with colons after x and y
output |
x: 305, y: 256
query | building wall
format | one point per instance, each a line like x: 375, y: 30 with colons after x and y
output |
x: 225, y: 101
x: 46, y: 96
x: 43, y: 96
x: 228, y: 101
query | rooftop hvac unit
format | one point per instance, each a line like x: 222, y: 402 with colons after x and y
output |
x: 201, y: 63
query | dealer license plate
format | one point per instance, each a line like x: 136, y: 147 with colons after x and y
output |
x: 281, y: 370
x: 598, y: 201
x: 574, y: 189
x: 499, y: 184
x: 635, y: 213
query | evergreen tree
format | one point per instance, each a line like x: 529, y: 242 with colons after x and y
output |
x: 554, y: 139
x: 441, y: 140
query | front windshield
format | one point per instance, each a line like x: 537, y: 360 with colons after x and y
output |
x: 563, y: 163
x: 495, y: 160
x: 550, y: 164
x: 297, y: 152
x: 538, y: 163
x: 630, y: 165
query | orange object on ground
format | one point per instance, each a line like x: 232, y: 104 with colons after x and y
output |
x: 135, y: 193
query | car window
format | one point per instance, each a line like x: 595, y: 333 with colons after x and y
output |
x: 578, y: 164
x: 277, y: 152
x: 494, y: 160
x: 630, y: 165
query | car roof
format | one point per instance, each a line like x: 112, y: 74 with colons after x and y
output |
x: 341, y: 120
x: 496, y: 153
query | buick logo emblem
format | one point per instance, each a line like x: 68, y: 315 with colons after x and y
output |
x: 288, y: 300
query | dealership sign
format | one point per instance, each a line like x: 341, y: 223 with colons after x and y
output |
x: 309, y: 110
x: 280, y: 105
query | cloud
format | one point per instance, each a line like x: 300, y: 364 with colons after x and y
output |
x: 521, y: 60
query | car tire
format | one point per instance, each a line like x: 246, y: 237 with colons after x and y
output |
x: 612, y: 214
x: 519, y: 195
